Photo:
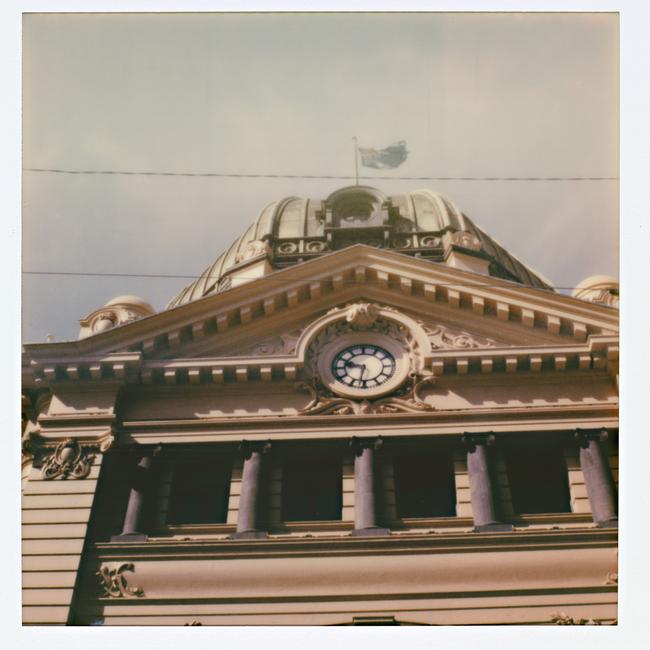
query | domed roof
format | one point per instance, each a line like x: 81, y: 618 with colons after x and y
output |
x: 134, y: 301
x: 294, y: 230
x: 601, y: 289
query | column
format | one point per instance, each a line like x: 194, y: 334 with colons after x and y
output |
x: 248, y: 517
x: 481, y: 485
x: 136, y: 509
x: 598, y: 477
x: 366, y: 487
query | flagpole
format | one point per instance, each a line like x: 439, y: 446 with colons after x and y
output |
x: 356, y: 161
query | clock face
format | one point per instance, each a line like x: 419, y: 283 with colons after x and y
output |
x: 363, y: 366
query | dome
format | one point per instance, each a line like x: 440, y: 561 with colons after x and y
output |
x: 601, y: 289
x: 294, y: 230
x: 133, y: 301
x: 117, y: 311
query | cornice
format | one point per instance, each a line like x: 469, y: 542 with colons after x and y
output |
x: 597, y: 353
x: 449, y: 422
x: 416, y: 543
x: 360, y: 265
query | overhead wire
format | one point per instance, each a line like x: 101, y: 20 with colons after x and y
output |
x: 266, y: 279
x: 115, y: 172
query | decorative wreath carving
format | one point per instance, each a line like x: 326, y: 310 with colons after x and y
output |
x: 113, y: 581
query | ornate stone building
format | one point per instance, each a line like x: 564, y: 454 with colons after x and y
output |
x: 366, y: 411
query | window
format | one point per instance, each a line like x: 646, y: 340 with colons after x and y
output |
x: 537, y: 475
x: 200, y: 491
x: 424, y: 483
x: 311, y: 488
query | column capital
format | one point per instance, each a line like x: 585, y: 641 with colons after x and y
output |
x: 471, y: 440
x: 585, y: 436
x: 247, y: 447
x: 359, y: 444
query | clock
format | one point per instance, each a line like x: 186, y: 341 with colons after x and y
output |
x: 363, y: 366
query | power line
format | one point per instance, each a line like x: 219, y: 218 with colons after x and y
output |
x: 267, y: 279
x: 107, y: 172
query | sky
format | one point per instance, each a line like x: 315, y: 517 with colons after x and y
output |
x: 478, y: 95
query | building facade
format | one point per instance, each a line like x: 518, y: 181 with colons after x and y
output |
x: 366, y: 411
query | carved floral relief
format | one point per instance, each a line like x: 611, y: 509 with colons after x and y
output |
x: 442, y: 337
x: 113, y: 581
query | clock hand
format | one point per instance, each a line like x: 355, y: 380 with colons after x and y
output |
x: 358, y: 366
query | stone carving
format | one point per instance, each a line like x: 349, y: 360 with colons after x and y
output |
x: 607, y: 297
x: 253, y: 249
x: 442, y: 337
x: 69, y: 459
x: 104, y: 321
x: 406, y: 400
x: 560, y: 618
x: 114, y: 583
x: 611, y: 579
x: 464, y: 239
x: 288, y: 248
x: 32, y: 405
x: 279, y: 345
x: 117, y: 311
x: 598, y: 289
x: 315, y: 246
x: 430, y: 241
x: 362, y: 315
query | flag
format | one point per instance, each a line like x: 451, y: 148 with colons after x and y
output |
x: 390, y: 157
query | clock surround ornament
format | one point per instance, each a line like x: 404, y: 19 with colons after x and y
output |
x: 365, y: 360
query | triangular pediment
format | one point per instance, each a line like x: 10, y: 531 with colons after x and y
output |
x: 280, y: 334
x: 266, y: 317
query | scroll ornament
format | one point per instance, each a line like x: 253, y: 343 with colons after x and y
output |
x: 114, y: 583
x: 68, y: 460
x: 560, y: 618
x: 406, y: 400
x: 442, y: 337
